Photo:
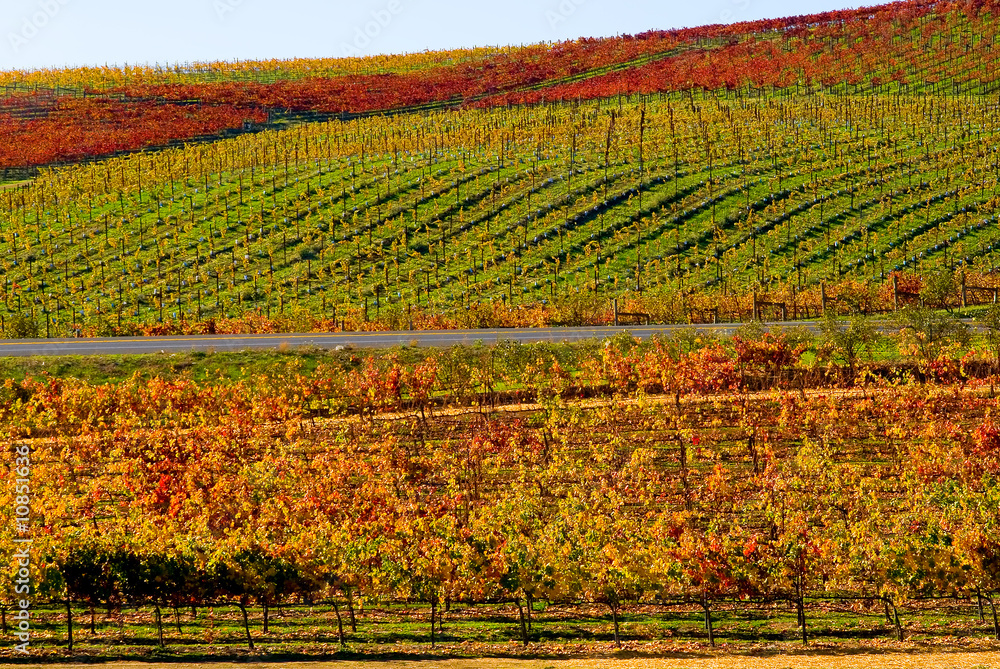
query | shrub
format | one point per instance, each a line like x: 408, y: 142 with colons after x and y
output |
x: 21, y: 326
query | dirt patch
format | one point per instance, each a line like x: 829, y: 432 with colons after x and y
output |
x: 818, y: 660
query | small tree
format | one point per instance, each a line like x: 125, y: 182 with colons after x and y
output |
x: 849, y: 339
x: 929, y: 331
x: 21, y: 326
x: 939, y: 286
x: 991, y: 321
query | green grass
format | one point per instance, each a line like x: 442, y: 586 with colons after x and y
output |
x: 197, y: 366
x: 309, y: 631
x: 236, y: 366
x: 214, y: 367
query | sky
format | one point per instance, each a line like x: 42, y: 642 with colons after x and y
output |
x: 37, y: 34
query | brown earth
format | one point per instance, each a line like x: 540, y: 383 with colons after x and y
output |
x: 823, y: 659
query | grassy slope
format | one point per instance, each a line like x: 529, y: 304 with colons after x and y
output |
x: 393, y: 634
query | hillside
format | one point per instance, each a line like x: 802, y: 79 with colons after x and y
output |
x: 712, y: 161
x: 925, y: 46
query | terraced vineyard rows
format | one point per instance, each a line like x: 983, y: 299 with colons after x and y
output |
x: 520, y: 205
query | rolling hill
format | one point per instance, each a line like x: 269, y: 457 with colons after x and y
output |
x: 714, y: 161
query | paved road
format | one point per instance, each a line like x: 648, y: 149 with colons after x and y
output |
x: 442, y: 338
x: 437, y: 338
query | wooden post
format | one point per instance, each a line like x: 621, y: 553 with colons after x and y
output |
x: 895, y: 292
x: 964, y: 292
x: 822, y: 298
x: 614, y: 304
x: 784, y: 311
x: 69, y: 622
x: 755, y: 307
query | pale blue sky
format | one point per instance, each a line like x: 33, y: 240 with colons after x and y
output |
x: 56, y: 33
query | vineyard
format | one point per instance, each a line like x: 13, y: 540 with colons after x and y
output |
x: 372, y: 500
x: 442, y: 212
x: 692, y: 168
x: 657, y: 496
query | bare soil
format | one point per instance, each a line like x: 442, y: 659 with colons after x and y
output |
x: 818, y: 659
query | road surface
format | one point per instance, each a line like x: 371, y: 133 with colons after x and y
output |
x: 274, y: 342
x: 433, y: 338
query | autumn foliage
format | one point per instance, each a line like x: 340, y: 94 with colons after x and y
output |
x: 358, y: 480
x: 868, y: 49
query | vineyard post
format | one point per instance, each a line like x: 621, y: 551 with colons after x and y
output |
x: 433, y: 613
x: 993, y: 608
x: 893, y: 614
x: 707, y: 605
x: 69, y: 623
x: 614, y: 304
x: 524, y: 628
x: 241, y: 603
x: 822, y: 297
x: 615, y: 605
x: 340, y: 623
x: 159, y: 624
x: 895, y: 292
x: 642, y: 131
x: 800, y: 605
